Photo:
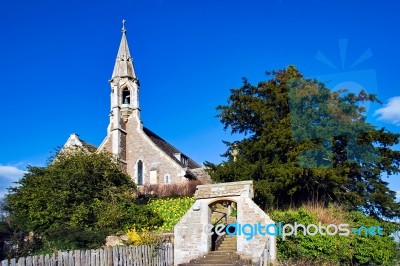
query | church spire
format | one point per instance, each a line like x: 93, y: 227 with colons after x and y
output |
x: 123, y: 64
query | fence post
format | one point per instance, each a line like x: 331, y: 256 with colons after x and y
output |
x: 41, y: 260
x: 135, y: 256
x: 109, y: 257
x: 21, y: 262
x: 171, y: 252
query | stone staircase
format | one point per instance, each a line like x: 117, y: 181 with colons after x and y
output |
x: 229, y: 243
x: 224, y: 256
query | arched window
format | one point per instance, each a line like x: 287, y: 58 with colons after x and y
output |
x: 126, y: 96
x: 139, y: 173
x: 167, y: 178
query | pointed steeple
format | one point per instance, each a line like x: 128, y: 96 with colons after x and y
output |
x: 124, y: 63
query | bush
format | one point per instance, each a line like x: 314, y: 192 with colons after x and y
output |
x: 353, y: 249
x: 143, y: 238
x: 70, y: 238
x: 142, y: 217
x: 75, y: 202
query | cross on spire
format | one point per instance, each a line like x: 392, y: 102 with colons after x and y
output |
x: 123, y: 25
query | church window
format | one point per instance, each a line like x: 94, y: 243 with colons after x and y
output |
x: 139, y: 173
x: 126, y: 96
x: 167, y: 178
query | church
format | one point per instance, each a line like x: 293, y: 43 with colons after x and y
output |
x: 143, y: 155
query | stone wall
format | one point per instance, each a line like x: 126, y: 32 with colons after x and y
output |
x: 189, y: 241
x: 250, y: 213
x: 140, y: 147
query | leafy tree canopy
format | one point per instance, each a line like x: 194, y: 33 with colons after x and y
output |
x: 304, y: 143
x: 76, y: 201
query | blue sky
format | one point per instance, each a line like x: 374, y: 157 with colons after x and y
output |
x: 56, y: 58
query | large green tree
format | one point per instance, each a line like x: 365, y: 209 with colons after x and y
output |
x: 303, y: 142
x: 76, y: 201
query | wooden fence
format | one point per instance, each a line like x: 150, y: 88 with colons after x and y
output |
x: 161, y: 255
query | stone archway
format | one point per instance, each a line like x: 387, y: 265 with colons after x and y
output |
x: 191, y: 238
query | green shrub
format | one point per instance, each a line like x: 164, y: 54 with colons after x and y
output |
x: 344, y: 250
x: 141, y: 217
x: 70, y: 238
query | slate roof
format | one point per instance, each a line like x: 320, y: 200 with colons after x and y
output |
x: 169, y: 149
x: 88, y: 146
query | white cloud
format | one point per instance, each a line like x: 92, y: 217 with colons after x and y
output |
x: 3, y: 192
x: 10, y: 173
x: 390, y: 112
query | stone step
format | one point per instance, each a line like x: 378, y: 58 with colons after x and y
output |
x: 230, y: 239
x: 229, y: 242
x: 217, y: 263
x: 214, y: 261
x: 216, y: 256
x: 217, y: 252
x: 220, y: 264
x: 219, y: 258
x: 227, y: 248
x: 203, y: 264
x: 222, y: 253
x: 227, y: 245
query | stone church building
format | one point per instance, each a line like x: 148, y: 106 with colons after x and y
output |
x: 144, y: 155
